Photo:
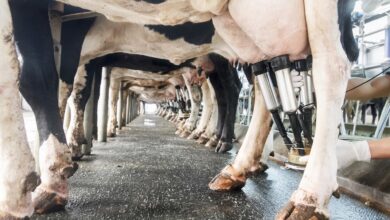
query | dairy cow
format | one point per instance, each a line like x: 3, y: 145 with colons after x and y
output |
x: 303, y: 29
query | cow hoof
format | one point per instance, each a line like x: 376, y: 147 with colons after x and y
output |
x: 46, y: 202
x: 68, y: 171
x: 227, y: 180
x: 111, y: 134
x: 223, y: 147
x: 31, y: 182
x: 202, y: 140
x: 213, y: 142
x: 76, y: 150
x: 77, y: 157
x: 257, y: 169
x: 6, y: 216
x: 193, y: 136
x: 185, y: 134
x: 299, y: 212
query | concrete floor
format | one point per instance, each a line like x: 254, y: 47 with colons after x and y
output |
x: 149, y: 173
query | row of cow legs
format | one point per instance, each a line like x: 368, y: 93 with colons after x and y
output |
x: 36, y: 83
x: 216, y: 126
x: 208, y: 104
x: 88, y: 78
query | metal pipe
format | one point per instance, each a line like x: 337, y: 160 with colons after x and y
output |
x: 103, y: 105
x: 281, y: 66
x: 271, y: 100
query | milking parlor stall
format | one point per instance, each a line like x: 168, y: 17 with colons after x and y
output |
x: 195, y: 109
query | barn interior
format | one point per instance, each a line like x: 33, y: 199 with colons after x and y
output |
x: 146, y: 141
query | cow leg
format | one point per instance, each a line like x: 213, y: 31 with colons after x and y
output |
x: 78, y: 100
x: 72, y: 38
x: 222, y: 109
x: 331, y: 71
x: 112, y: 107
x: 212, y: 124
x: 206, y: 113
x: 17, y: 176
x: 39, y: 86
x: 65, y: 90
x: 231, y: 87
x: 247, y: 160
x: 196, y: 98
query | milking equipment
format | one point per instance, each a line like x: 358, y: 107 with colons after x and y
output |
x: 186, y: 94
x: 182, y: 109
x: 262, y: 72
x: 179, y: 99
x: 306, y: 96
x: 297, y: 102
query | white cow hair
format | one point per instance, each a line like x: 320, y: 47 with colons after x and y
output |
x: 169, y: 12
x: 106, y: 37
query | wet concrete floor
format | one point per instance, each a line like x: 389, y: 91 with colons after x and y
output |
x: 149, y: 173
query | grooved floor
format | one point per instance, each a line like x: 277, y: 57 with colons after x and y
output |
x: 149, y: 173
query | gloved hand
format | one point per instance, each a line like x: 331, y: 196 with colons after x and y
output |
x: 348, y: 152
x: 297, y: 80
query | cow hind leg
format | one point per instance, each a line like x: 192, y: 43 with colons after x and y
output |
x: 331, y: 71
x: 233, y: 176
x: 82, y: 87
x: 75, y: 134
x: 17, y: 176
x: 39, y: 86
x: 222, y: 109
x: 232, y: 86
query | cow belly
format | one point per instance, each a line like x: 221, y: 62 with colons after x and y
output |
x: 276, y: 27
x: 239, y: 41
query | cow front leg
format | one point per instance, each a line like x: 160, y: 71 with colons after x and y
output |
x: 247, y: 160
x: 232, y: 87
x: 75, y: 134
x: 206, y: 113
x: 39, y: 86
x: 196, y: 98
x: 17, y: 176
x: 331, y: 71
x: 81, y: 91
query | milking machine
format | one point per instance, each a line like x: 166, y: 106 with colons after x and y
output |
x: 294, y: 97
x: 306, y: 96
x: 263, y: 74
x: 181, y: 102
x: 186, y: 94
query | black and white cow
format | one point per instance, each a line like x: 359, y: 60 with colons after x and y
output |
x: 303, y: 23
x: 225, y: 82
x: 253, y: 40
x: 83, y: 84
x: 176, y: 43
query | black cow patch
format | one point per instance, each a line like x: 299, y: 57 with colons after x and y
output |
x: 348, y: 41
x: 140, y: 62
x: 153, y: 1
x: 193, y: 33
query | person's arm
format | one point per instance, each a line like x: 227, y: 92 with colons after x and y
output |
x: 379, y: 87
x: 380, y: 149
